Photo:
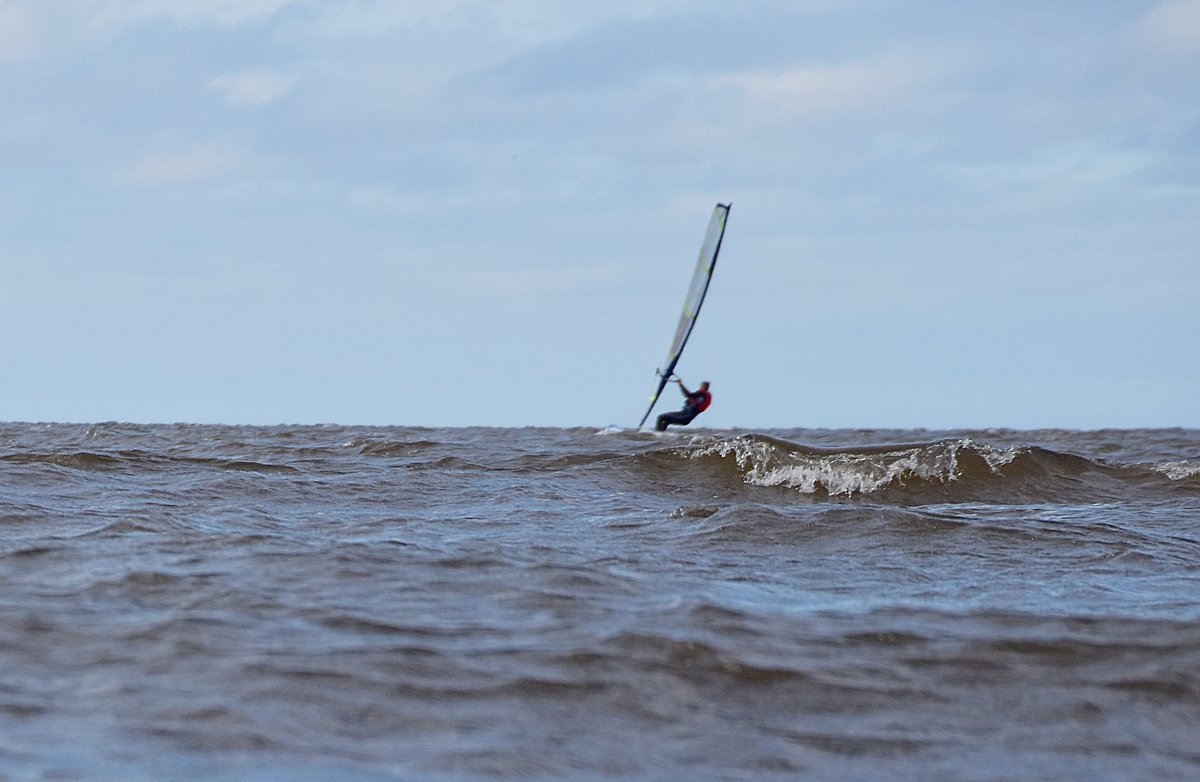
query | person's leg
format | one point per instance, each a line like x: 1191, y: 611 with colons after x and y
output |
x: 678, y: 417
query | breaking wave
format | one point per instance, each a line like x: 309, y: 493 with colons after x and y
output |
x: 952, y: 468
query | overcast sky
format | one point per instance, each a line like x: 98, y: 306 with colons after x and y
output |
x: 463, y: 212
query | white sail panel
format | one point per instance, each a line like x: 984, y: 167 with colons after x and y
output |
x: 705, y: 264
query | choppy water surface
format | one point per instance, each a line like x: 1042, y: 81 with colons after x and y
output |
x: 479, y: 604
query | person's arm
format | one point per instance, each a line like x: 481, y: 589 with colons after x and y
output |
x: 682, y: 387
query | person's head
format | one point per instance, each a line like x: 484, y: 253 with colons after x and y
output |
x: 704, y: 386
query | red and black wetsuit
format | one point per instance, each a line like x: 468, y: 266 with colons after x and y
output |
x: 697, y: 402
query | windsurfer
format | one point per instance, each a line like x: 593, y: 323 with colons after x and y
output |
x: 696, y: 402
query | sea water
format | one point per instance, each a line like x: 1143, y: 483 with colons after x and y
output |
x: 344, y: 603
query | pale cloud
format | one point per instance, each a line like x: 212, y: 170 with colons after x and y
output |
x: 527, y: 21
x: 819, y: 90
x: 533, y: 284
x: 763, y: 103
x: 22, y: 127
x: 385, y: 200
x: 186, y: 165
x: 226, y: 12
x: 1075, y: 164
x: 256, y: 88
x: 17, y: 37
x: 1171, y: 28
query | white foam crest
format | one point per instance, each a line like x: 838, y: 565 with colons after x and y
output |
x: 764, y: 463
x: 1181, y: 470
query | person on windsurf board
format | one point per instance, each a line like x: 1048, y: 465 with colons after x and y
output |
x: 695, y: 403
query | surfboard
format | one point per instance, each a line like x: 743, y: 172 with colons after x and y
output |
x: 706, y: 263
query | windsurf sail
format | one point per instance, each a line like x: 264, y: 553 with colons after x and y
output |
x: 701, y: 277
